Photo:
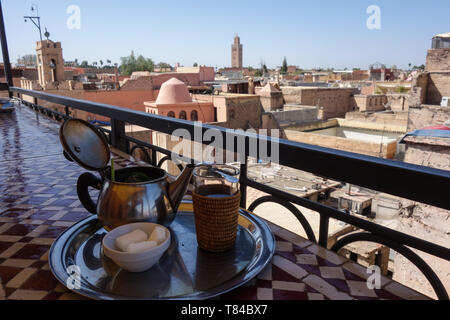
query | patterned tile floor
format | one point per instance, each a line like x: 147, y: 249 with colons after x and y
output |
x: 38, y: 202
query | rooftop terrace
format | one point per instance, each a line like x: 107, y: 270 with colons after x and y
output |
x: 39, y: 201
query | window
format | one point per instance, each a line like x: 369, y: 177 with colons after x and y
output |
x: 183, y: 115
x: 171, y: 114
x: 194, y: 116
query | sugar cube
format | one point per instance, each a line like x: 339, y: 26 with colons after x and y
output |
x: 125, y: 240
x: 158, y: 235
x: 141, y: 246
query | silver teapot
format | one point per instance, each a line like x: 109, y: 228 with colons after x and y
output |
x: 156, y: 199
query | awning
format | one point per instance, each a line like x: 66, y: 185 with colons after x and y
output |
x: 428, y: 133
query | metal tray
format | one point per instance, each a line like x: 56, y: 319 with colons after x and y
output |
x: 184, y: 271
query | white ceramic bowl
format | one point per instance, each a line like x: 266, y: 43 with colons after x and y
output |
x: 134, y: 262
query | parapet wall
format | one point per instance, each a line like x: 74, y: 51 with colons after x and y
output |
x: 393, y: 122
x: 387, y: 150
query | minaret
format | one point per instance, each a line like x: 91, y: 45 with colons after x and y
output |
x: 236, y: 53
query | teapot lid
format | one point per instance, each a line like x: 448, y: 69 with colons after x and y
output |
x: 85, y: 144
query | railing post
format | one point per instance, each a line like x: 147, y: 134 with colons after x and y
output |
x: 323, y: 231
x: 6, y: 62
x: 154, y: 160
x: 118, y: 137
x: 243, y: 183
x: 67, y: 110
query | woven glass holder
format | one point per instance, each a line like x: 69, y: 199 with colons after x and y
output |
x: 216, y: 221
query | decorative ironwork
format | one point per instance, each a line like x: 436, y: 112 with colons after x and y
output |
x: 434, y: 280
x: 297, y: 213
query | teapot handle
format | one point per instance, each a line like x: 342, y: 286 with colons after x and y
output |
x: 85, y: 181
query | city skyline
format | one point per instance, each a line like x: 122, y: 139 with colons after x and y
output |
x: 305, y: 33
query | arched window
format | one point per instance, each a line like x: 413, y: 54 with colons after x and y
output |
x: 183, y: 115
x: 171, y: 114
x: 194, y: 115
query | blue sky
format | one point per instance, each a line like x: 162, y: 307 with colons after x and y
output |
x: 325, y: 33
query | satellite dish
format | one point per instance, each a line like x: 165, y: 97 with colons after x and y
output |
x: 47, y: 34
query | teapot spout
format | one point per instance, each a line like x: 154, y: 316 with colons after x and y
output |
x: 178, y: 188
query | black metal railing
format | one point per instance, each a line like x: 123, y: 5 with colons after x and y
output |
x: 422, y: 184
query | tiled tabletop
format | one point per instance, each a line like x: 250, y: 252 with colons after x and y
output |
x: 38, y: 202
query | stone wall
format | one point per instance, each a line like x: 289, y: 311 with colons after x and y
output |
x: 438, y: 60
x: 239, y: 111
x: 368, y: 103
x: 298, y: 115
x: 398, y: 101
x: 269, y: 122
x: 368, y: 89
x: 427, y: 115
x: 438, y: 87
x: 438, y: 70
x: 332, y: 102
x: 273, y: 101
x: 418, y: 93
